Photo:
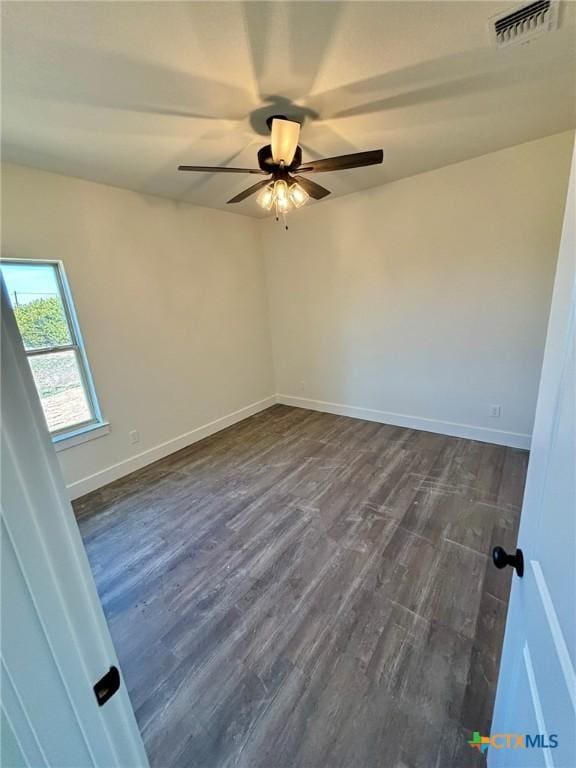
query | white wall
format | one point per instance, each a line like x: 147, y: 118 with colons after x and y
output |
x: 424, y: 301
x: 172, y: 306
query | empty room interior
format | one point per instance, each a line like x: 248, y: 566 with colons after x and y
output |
x: 283, y: 284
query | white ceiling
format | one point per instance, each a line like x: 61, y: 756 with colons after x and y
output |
x: 122, y: 92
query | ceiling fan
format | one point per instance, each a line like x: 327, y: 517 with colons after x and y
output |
x: 281, y: 160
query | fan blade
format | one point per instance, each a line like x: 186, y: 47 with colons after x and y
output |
x: 219, y: 169
x: 313, y: 189
x: 340, y: 163
x: 284, y: 140
x: 250, y: 191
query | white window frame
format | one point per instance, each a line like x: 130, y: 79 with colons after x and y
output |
x: 96, y: 426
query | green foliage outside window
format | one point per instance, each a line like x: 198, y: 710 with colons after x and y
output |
x: 42, y: 323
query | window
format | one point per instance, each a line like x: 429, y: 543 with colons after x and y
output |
x: 43, y: 308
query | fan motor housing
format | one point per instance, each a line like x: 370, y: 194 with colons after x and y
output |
x: 266, y: 161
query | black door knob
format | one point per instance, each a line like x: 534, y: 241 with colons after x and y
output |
x: 501, y: 559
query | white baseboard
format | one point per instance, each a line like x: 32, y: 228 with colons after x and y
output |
x: 484, y: 435
x: 125, y: 467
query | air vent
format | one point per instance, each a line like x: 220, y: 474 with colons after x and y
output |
x: 524, y: 23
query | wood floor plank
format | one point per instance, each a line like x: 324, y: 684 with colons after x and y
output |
x: 304, y: 590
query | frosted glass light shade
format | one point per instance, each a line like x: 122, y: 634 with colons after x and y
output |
x: 265, y: 198
x: 298, y: 195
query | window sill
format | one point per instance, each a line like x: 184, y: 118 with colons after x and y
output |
x: 79, y: 436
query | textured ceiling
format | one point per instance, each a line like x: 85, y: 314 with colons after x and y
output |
x: 122, y: 92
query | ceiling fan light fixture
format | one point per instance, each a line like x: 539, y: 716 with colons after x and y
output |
x: 281, y: 191
x: 298, y: 195
x: 266, y: 197
x: 282, y: 204
x: 281, y: 162
x: 284, y: 139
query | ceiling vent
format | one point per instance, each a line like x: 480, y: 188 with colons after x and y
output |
x: 524, y: 23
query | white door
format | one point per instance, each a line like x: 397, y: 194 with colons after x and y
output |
x: 55, y: 643
x: 536, y: 694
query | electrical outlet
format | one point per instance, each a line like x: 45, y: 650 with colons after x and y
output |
x: 301, y: 386
x: 134, y: 437
x: 495, y: 411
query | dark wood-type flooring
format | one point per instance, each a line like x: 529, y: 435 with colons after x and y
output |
x: 305, y: 590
